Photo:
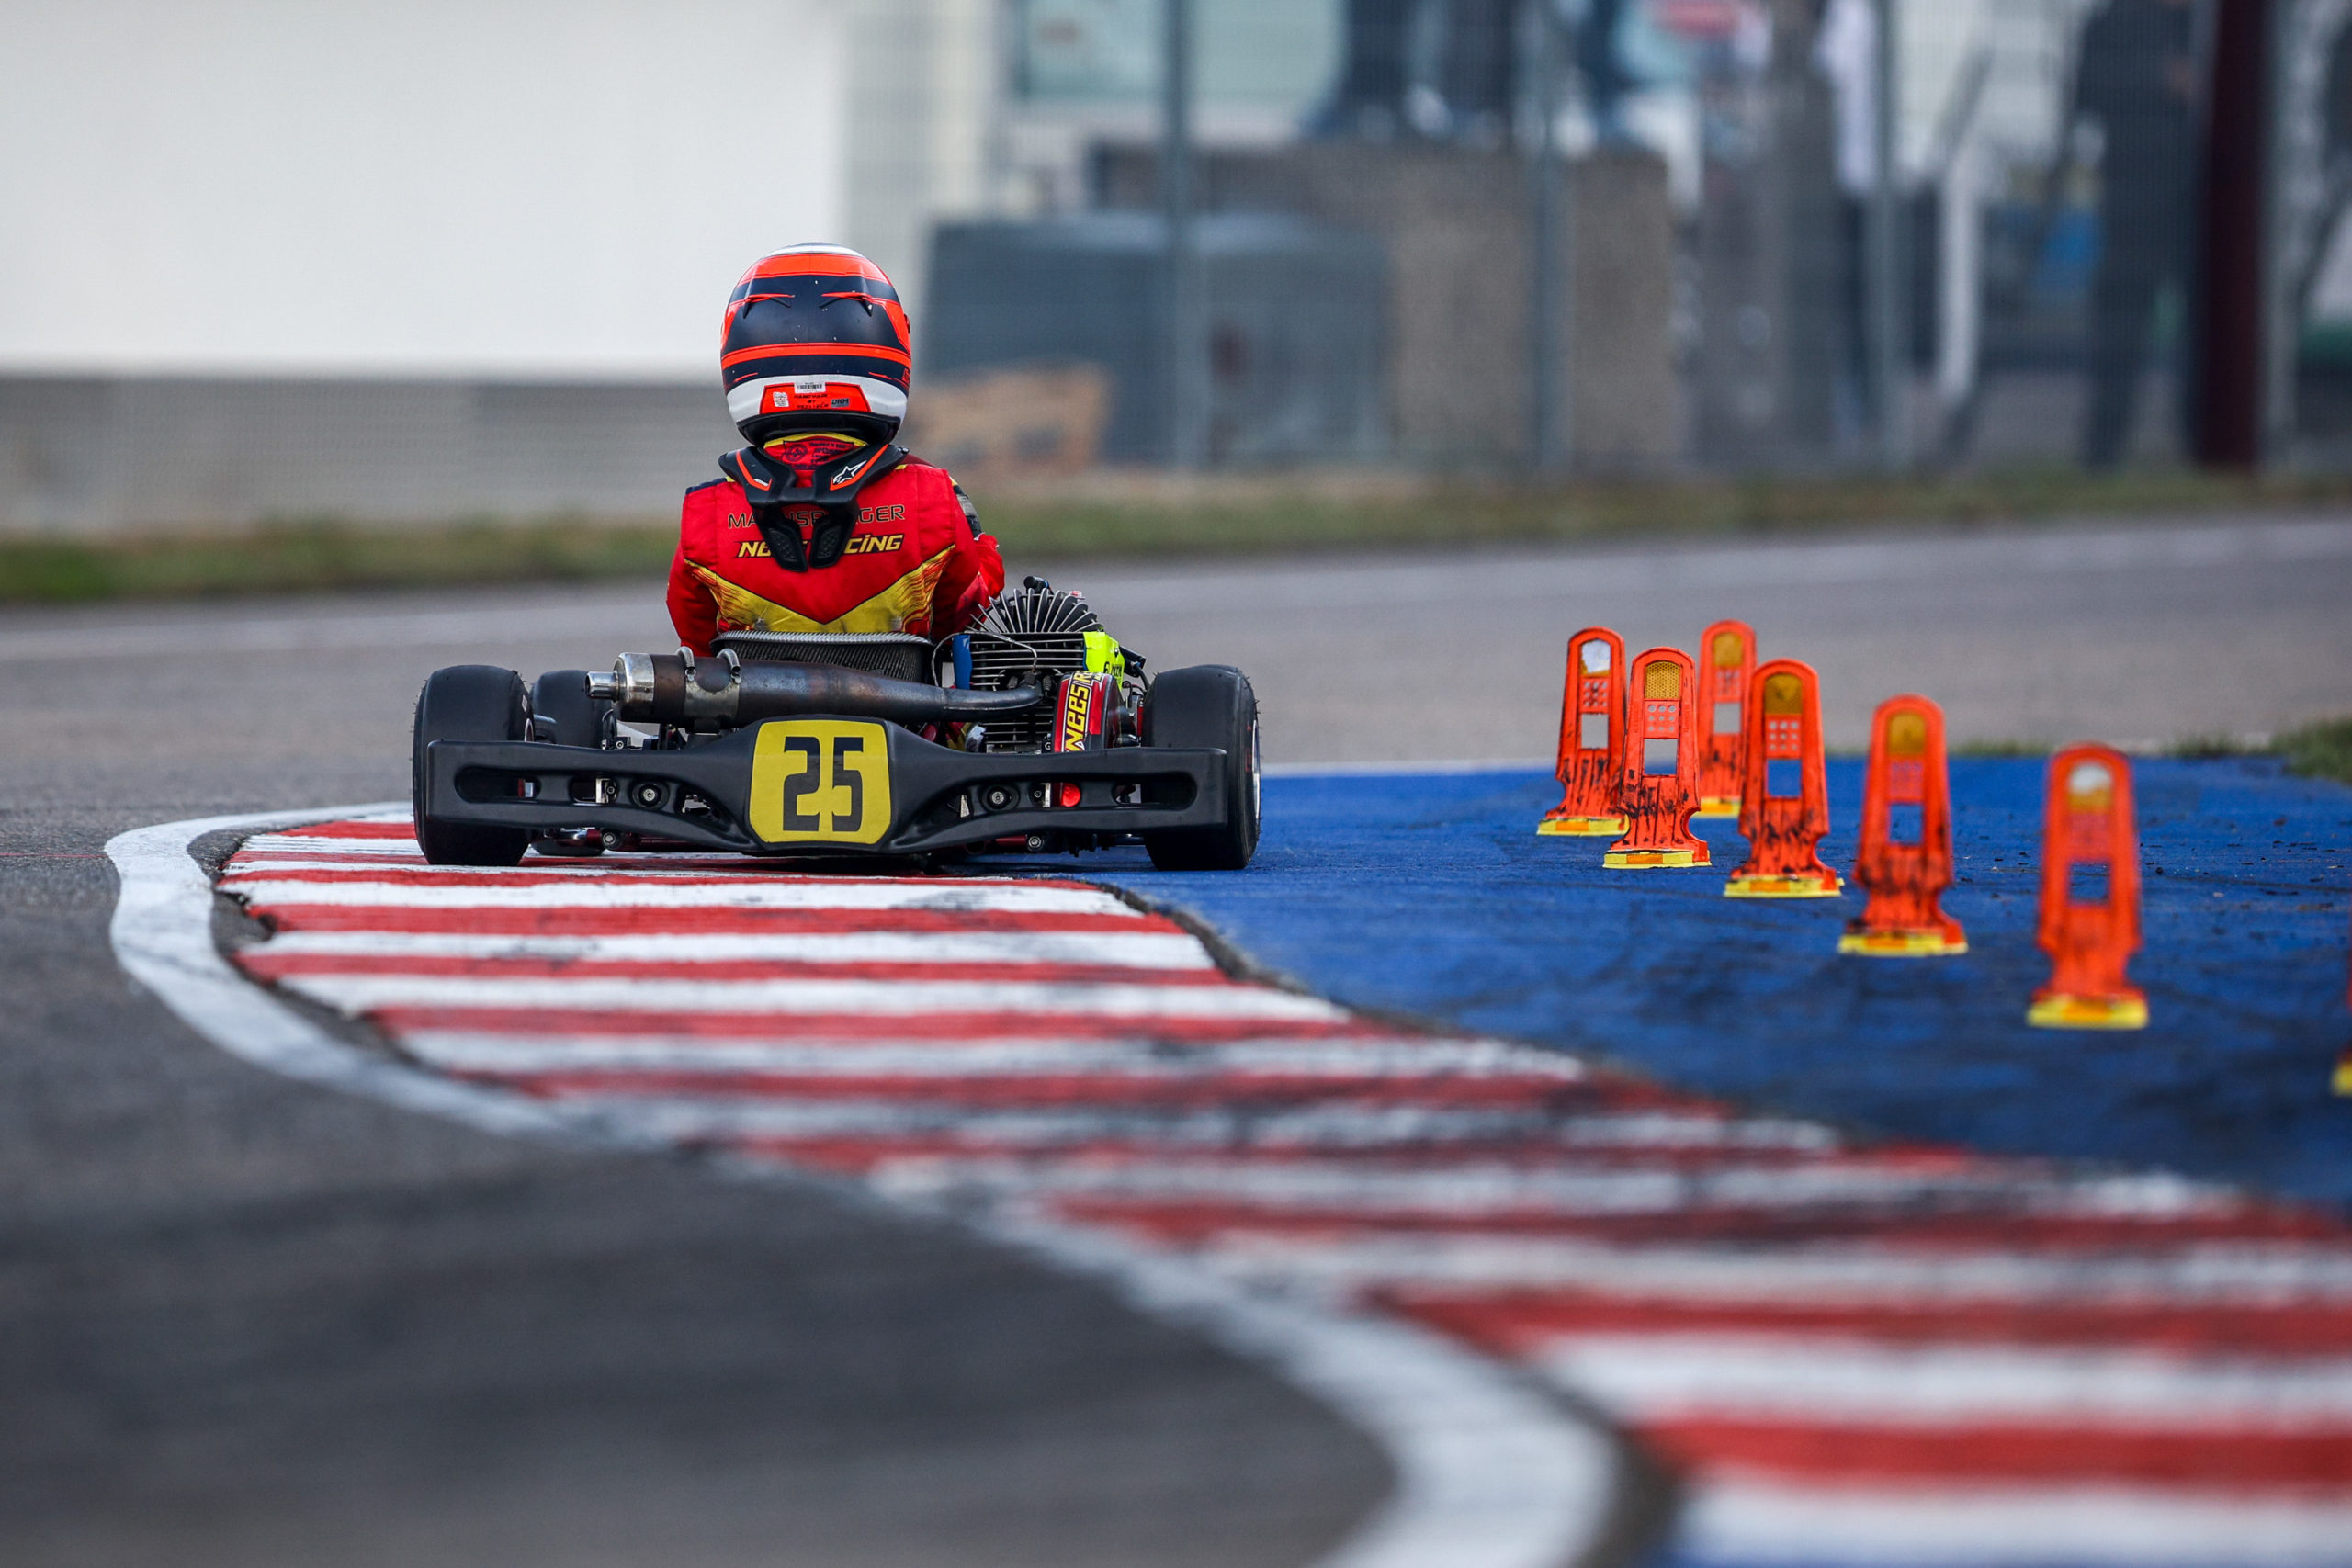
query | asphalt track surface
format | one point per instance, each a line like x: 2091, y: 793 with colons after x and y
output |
x: 252, y: 1321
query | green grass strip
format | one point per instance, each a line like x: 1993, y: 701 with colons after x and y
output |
x: 2318, y: 750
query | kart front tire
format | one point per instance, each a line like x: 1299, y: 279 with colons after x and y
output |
x: 468, y: 702
x: 1208, y: 705
x: 564, y: 712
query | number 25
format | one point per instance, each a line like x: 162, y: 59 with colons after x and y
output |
x: 813, y: 776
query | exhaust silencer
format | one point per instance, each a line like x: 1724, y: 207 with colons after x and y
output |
x: 673, y: 688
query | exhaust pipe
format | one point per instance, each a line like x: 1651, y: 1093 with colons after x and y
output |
x: 676, y: 688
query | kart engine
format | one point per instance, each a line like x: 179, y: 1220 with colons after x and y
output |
x: 1019, y: 653
x: 1032, y: 638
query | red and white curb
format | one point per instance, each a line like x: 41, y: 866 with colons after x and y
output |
x: 1853, y: 1353
x: 1491, y: 1470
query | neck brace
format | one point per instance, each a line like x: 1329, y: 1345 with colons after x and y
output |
x: 826, y: 504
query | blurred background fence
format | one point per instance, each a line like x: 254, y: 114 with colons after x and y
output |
x: 430, y: 261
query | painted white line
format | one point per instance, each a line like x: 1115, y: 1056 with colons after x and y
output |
x: 268, y: 844
x: 1474, y: 1190
x: 1980, y: 1526
x: 1491, y: 1473
x: 1336, y: 1128
x: 1823, y: 1381
x: 1116, y: 950
x: 881, y: 999
x: 484, y: 1053
x: 401, y: 854
x: 649, y: 891
x: 2254, y: 1272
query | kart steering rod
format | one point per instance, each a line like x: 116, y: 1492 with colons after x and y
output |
x: 676, y: 688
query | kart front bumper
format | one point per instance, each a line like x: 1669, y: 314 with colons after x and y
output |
x: 823, y: 785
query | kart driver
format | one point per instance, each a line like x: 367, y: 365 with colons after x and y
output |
x: 822, y: 523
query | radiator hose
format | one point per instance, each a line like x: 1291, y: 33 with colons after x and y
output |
x: 670, y: 688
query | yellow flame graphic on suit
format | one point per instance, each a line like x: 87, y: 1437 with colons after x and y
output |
x: 905, y: 601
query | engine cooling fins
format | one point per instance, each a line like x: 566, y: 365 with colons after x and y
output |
x: 1037, y: 609
x: 1030, y: 637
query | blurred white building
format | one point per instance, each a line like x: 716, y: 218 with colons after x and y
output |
x: 282, y: 258
x: 474, y: 186
x: 244, y: 236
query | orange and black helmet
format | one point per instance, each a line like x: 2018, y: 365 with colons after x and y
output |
x: 815, y: 339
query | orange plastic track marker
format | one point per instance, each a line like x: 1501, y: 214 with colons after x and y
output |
x: 1905, y: 862
x: 1727, y: 655
x: 1592, y: 738
x: 1659, y: 783
x: 1784, y: 788
x: 2090, y: 932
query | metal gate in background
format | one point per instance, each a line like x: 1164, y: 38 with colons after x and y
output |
x: 1807, y: 235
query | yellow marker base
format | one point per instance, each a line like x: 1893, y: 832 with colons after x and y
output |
x: 1581, y: 827
x: 1901, y: 945
x: 1759, y: 886
x: 2344, y: 1073
x: 1717, y: 805
x: 1645, y: 860
x: 2056, y: 1009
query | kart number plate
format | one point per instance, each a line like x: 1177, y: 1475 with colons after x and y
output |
x: 821, y: 781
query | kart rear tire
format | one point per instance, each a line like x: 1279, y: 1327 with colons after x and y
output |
x: 1208, y: 705
x: 564, y: 712
x: 468, y: 702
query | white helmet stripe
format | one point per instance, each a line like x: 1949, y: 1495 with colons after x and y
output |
x: 881, y: 398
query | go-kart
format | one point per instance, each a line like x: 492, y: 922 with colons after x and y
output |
x: 1035, y: 732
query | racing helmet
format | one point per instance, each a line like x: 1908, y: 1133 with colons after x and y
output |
x: 815, y: 345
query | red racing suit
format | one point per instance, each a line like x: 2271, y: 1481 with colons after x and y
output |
x: 916, y: 563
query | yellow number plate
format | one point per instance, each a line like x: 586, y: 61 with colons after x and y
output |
x: 821, y: 781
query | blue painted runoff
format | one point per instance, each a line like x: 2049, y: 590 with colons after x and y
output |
x: 1430, y: 894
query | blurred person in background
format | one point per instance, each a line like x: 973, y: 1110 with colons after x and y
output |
x: 1845, y: 50
x: 1368, y: 105
x: 1377, y: 98
x: 1602, y: 62
x: 2137, y: 78
x: 2335, y: 170
x: 1477, y: 82
x: 1481, y: 75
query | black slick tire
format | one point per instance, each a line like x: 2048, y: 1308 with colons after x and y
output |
x: 564, y: 712
x: 468, y: 702
x: 1208, y: 705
